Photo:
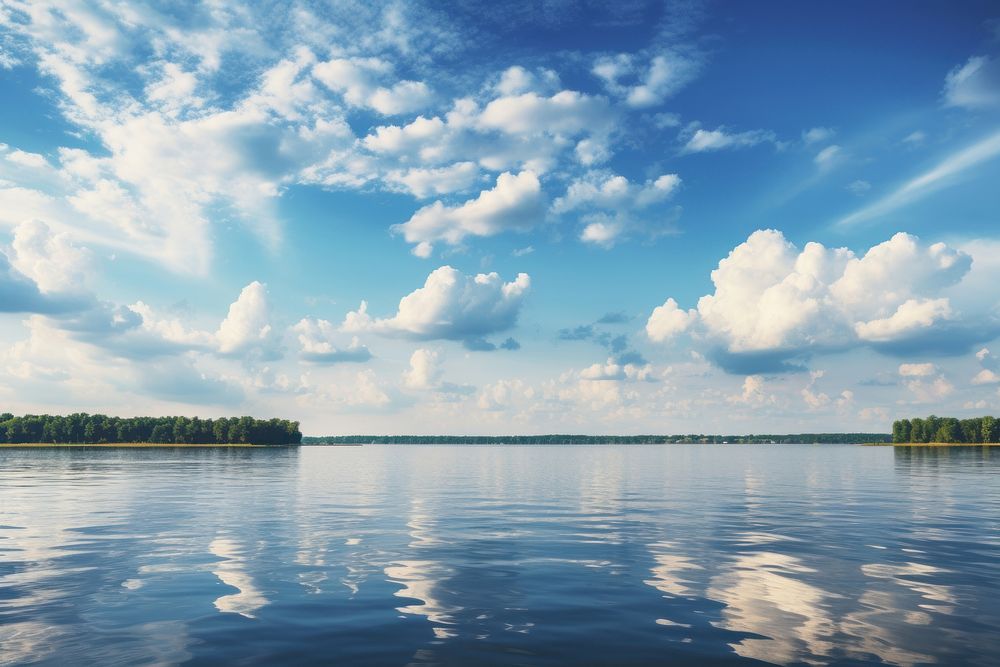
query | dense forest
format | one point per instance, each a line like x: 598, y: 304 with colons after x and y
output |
x: 594, y: 439
x: 947, y: 430
x: 98, y: 429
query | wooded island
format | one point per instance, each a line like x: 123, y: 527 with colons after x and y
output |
x: 84, y: 428
x: 947, y: 430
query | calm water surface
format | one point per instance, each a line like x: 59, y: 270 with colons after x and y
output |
x: 457, y: 555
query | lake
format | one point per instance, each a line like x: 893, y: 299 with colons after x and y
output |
x: 507, y: 555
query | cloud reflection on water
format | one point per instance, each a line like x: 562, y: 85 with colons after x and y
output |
x: 420, y: 578
x: 232, y: 571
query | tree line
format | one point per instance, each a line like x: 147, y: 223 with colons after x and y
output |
x: 98, y: 429
x: 947, y: 430
x: 565, y: 439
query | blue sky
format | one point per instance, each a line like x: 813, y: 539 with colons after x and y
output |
x: 504, y: 217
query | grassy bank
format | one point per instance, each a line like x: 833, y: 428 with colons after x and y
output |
x: 114, y: 445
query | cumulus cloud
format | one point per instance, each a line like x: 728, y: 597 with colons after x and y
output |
x: 505, y: 394
x: 221, y: 116
x: 425, y: 370
x: 612, y: 206
x: 157, y: 334
x: 986, y: 376
x: 773, y: 302
x: 668, y: 320
x: 247, y: 328
x: 645, y: 85
x: 51, y: 260
x: 526, y: 131
x: 812, y: 398
x: 165, y: 164
x: 317, y: 343
x: 912, y: 315
x: 917, y: 370
x: 515, y: 203
x: 357, y: 79
x: 425, y: 182
x: 990, y: 365
x: 43, y: 272
x: 450, y: 306
x: 925, y: 382
x: 612, y: 370
x: 755, y: 393
x: 566, y: 113
x: 614, y: 192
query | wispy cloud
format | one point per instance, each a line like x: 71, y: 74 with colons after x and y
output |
x: 938, y: 177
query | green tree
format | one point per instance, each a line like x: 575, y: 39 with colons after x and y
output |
x: 990, y: 429
x: 901, y: 430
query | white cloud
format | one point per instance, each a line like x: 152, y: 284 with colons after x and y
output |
x: 771, y: 298
x: 515, y: 203
x: 423, y: 183
x: 817, y: 399
x: 317, y: 343
x: 566, y: 113
x: 166, y: 161
x: 367, y: 392
x: 613, y: 206
x: 702, y: 141
x: 25, y: 159
x: 611, y: 370
x: 450, y: 306
x: 613, y: 192
x: 357, y: 79
x: 925, y: 382
x: 43, y: 273
x: 163, y: 333
x: 505, y: 394
x: 829, y: 157
x: 912, y: 315
x: 425, y: 370
x: 174, y: 89
x: 940, y: 176
x: 755, y: 393
x: 647, y: 86
x: 602, y: 230
x: 986, y: 376
x: 419, y: 136
x: 516, y: 80
x: 52, y: 261
x: 917, y: 370
x: 526, y: 131
x: 818, y: 135
x: 990, y: 365
x: 668, y: 320
x: 247, y: 328
x: 974, y: 85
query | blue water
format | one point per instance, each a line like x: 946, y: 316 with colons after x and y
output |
x: 399, y: 555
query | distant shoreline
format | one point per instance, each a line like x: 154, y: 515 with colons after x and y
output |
x: 932, y: 444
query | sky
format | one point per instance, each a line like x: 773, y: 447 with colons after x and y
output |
x: 504, y: 217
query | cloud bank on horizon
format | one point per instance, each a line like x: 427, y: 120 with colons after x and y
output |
x: 629, y: 218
